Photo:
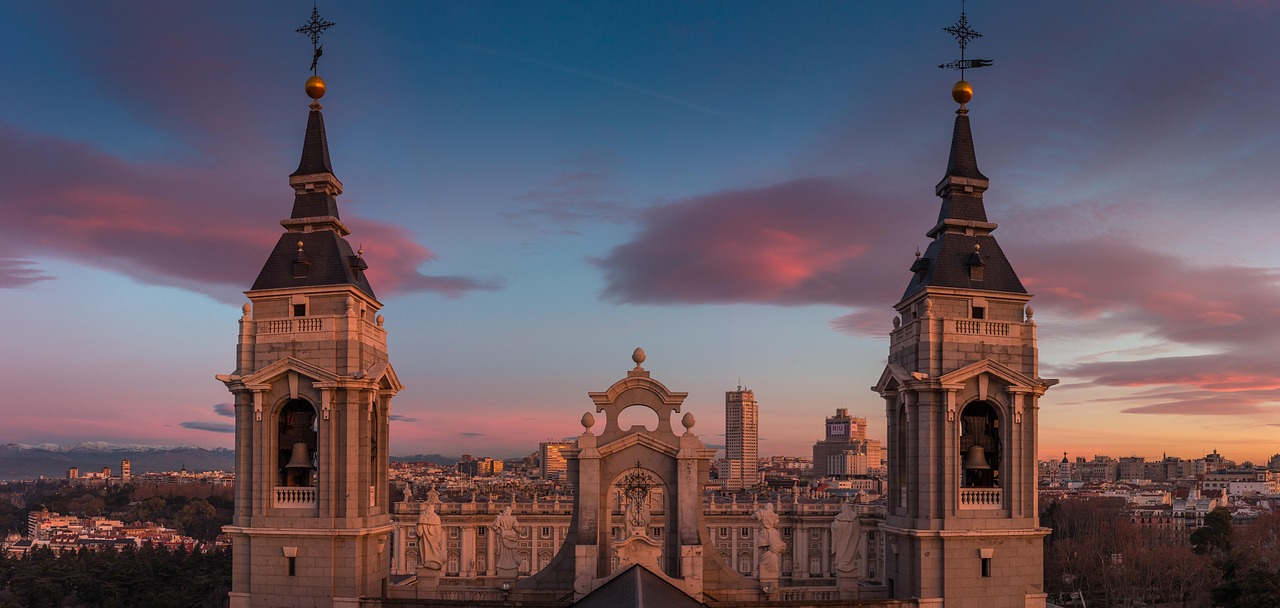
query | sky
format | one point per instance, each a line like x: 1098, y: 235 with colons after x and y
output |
x: 738, y: 187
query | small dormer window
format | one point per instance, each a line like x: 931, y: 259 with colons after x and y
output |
x: 975, y: 264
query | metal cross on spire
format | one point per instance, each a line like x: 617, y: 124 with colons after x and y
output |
x: 312, y: 29
x: 963, y: 34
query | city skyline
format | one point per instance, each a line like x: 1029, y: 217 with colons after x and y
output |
x: 737, y: 188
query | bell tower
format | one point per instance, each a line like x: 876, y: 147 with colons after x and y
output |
x: 312, y: 388
x: 961, y: 394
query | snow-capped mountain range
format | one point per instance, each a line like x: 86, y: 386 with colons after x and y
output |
x: 22, y: 462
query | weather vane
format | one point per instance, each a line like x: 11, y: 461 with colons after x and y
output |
x: 963, y: 34
x: 312, y: 29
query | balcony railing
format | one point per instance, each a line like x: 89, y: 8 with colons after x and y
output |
x: 295, y: 498
x: 975, y: 499
x: 981, y: 328
x: 289, y: 326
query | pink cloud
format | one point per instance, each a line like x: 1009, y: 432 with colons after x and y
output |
x: 822, y: 241
x: 800, y: 242
x: 174, y: 225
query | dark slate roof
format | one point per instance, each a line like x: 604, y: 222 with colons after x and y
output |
x: 332, y: 262
x: 949, y: 257
x: 963, y: 162
x: 314, y: 204
x: 315, y: 148
x: 947, y: 261
x: 956, y: 206
x: 637, y: 587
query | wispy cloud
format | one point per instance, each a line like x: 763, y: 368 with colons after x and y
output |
x: 17, y: 273
x: 212, y: 427
x: 589, y: 75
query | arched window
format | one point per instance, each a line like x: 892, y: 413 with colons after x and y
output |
x: 980, y: 448
x: 297, y: 443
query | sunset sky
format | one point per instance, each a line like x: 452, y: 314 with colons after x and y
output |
x: 739, y: 187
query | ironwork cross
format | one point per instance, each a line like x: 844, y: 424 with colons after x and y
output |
x: 963, y: 34
x: 313, y: 29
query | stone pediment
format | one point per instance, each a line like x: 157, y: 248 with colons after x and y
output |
x: 1001, y: 372
x: 640, y: 439
x: 385, y: 377
x: 891, y: 378
x: 270, y: 373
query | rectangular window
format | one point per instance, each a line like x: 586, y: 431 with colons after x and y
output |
x: 453, y: 532
x: 482, y: 530
x: 979, y: 312
x: 546, y: 531
x: 293, y: 566
x: 745, y: 533
x: 655, y: 532
x: 724, y: 533
x: 786, y: 532
x: 986, y: 567
x: 299, y: 310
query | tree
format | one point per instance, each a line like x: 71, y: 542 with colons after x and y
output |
x: 199, y: 519
x: 1214, y: 538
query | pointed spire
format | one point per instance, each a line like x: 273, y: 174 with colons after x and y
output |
x: 963, y: 161
x: 315, y: 146
x: 314, y: 184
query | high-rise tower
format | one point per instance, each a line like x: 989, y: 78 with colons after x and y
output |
x: 312, y: 389
x: 961, y: 392
x: 741, y: 468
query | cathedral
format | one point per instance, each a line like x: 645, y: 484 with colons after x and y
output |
x: 316, y: 524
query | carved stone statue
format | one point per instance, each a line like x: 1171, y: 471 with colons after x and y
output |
x: 771, y: 545
x: 431, y: 551
x: 846, y: 536
x: 504, y: 526
x: 408, y: 493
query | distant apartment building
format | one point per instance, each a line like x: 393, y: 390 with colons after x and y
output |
x: 479, y: 467
x: 553, y: 462
x: 126, y: 470
x: 846, y: 451
x: 1242, y: 482
x: 741, y: 465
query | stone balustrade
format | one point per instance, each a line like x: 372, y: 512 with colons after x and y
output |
x: 974, y: 499
x: 295, y: 498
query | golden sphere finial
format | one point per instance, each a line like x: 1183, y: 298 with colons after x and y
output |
x: 962, y: 92
x: 315, y: 87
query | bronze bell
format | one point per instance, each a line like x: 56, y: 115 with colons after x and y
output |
x: 301, y: 458
x: 976, y: 458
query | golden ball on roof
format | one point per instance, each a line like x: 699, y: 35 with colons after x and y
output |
x: 315, y: 87
x: 962, y: 92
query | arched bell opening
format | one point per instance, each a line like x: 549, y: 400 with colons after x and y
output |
x: 298, y: 444
x: 980, y: 445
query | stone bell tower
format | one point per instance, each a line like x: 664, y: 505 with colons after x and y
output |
x: 312, y: 388
x: 961, y: 391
